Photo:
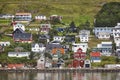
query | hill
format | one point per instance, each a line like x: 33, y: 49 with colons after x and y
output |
x: 109, y: 15
x: 79, y: 11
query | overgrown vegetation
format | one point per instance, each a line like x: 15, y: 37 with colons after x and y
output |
x: 109, y: 15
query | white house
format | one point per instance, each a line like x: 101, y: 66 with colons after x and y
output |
x: 45, y: 28
x: 76, y: 46
x: 105, y: 48
x: 41, y: 62
x: 58, y: 38
x: 87, y: 63
x: 38, y: 47
x: 18, y: 25
x: 23, y: 17
x: 6, y: 16
x: 97, y: 30
x: 7, y: 43
x: 116, y: 34
x: 52, y: 17
x: 19, y: 54
x: 84, y: 35
x: 103, y: 35
x: 40, y: 17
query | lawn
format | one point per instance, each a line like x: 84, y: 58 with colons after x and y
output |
x: 72, y: 10
x: 94, y: 41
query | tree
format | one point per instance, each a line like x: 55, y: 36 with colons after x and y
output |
x: 108, y: 15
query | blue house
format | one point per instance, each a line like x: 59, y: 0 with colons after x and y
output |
x: 98, y: 30
x: 95, y: 57
x: 105, y: 48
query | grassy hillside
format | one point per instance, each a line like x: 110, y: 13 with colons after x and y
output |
x: 77, y: 10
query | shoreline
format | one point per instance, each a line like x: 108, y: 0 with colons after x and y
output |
x: 72, y: 70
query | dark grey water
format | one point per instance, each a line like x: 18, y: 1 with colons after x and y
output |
x: 59, y: 76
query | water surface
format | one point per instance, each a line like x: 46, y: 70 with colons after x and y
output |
x: 59, y: 76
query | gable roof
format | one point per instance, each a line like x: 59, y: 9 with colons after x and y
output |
x: 18, y: 30
x: 44, y: 36
x: 95, y: 54
x: 69, y: 38
x: 39, y: 44
x: 21, y: 35
x: 52, y: 46
x: 54, y: 50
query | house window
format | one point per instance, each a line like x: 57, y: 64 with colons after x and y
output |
x: 41, y: 60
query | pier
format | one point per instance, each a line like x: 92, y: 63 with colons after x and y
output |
x: 63, y: 70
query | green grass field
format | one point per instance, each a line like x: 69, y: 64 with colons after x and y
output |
x: 76, y: 10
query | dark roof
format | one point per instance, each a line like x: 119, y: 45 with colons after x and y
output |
x: 52, y: 46
x: 19, y: 30
x: 40, y: 44
x: 55, y: 42
x: 44, y: 36
x: 70, y: 38
x: 20, y: 34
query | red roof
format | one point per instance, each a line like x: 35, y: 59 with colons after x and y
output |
x: 95, y: 54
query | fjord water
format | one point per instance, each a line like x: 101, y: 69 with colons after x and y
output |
x: 58, y: 76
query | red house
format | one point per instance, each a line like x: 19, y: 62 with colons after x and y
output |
x: 79, y: 54
x: 79, y: 58
x: 14, y: 66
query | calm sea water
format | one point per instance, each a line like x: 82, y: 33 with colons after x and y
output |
x: 59, y: 76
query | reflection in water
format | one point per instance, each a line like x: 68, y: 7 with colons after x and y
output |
x: 59, y: 76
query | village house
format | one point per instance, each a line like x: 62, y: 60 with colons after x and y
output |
x: 56, y: 51
x: 84, y: 35
x: 22, y: 17
x: 48, y: 62
x: 6, y: 16
x: 58, y: 38
x: 18, y: 54
x: 79, y: 58
x: 95, y: 56
x: 44, y: 38
x: 87, y: 63
x: 7, y: 43
x: 15, y: 66
x: 45, y: 28
x: 118, y: 52
x: 54, y: 17
x: 21, y: 36
x: 103, y: 35
x: 105, y: 48
x: 41, y: 62
x: 116, y: 34
x: 38, y: 47
x: 69, y: 38
x: 18, y: 25
x: 76, y: 46
x: 40, y: 17
x: 106, y: 30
